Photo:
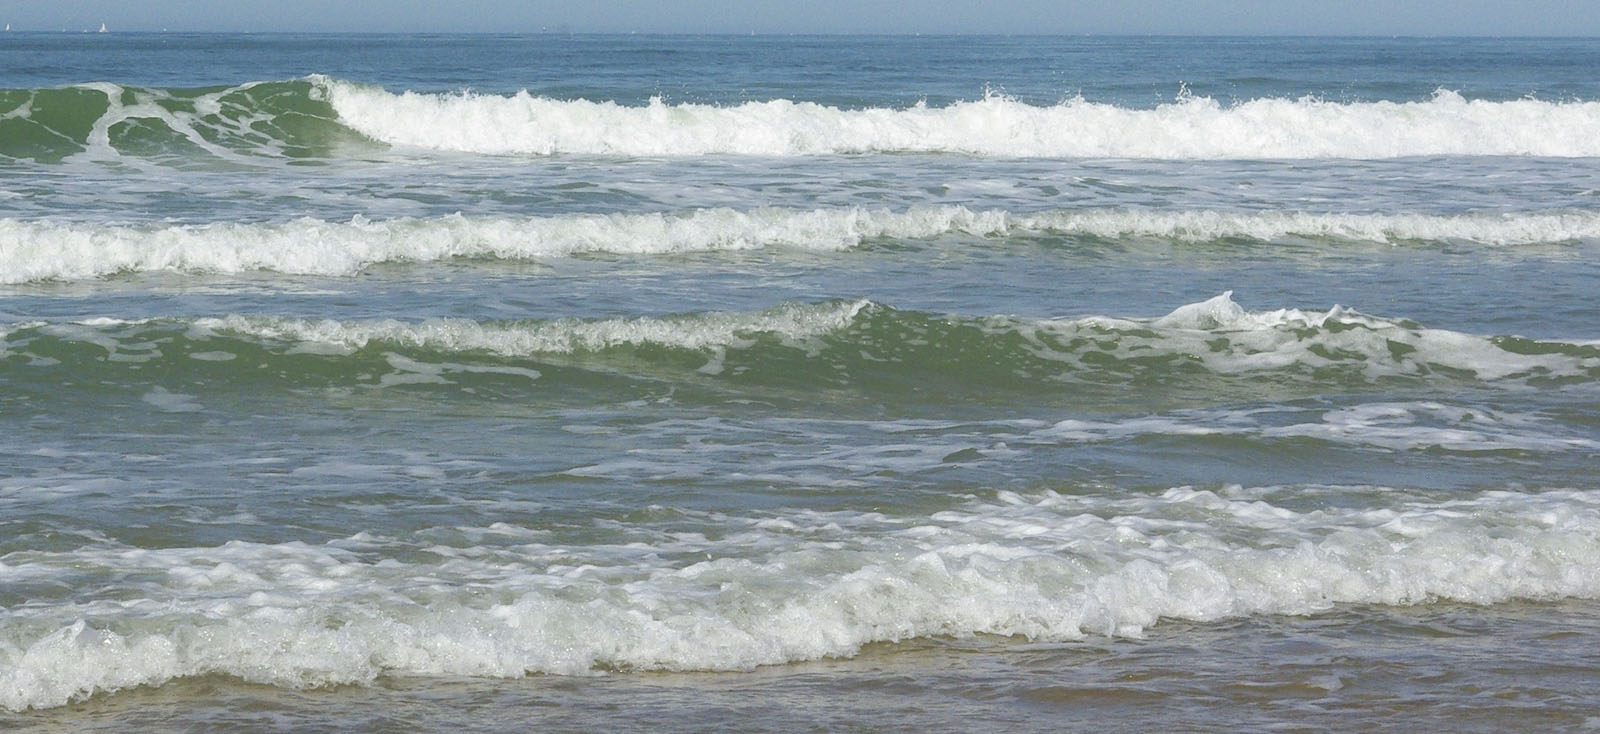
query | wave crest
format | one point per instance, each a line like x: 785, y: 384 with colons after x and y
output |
x: 1215, y: 347
x: 1189, y: 128
x: 319, y: 116
x: 32, y: 250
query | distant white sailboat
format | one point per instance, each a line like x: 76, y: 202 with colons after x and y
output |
x: 103, y: 28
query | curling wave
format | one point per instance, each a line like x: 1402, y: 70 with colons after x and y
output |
x: 323, y: 117
x: 102, y: 120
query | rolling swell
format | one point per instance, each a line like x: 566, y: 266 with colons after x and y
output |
x: 56, y: 251
x: 321, y: 117
x: 849, y: 350
x: 275, y: 119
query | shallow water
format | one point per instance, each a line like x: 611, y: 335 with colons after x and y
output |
x: 1464, y: 668
x: 427, y: 382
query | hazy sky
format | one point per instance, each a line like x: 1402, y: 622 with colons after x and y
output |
x: 1360, y: 17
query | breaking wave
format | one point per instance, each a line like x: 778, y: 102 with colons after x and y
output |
x: 322, y: 117
x: 1189, y: 128
x: 851, y: 346
x: 724, y: 592
x: 38, y: 250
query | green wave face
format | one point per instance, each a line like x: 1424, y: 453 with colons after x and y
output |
x: 850, y: 353
x: 284, y: 119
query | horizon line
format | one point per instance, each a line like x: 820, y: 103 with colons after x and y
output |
x: 788, y: 34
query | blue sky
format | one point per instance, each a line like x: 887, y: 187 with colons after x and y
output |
x: 1359, y: 17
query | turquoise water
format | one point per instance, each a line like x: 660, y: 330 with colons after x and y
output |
x: 590, y: 381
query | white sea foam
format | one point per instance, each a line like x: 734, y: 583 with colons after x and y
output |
x: 1228, y: 339
x: 131, y: 104
x: 1395, y: 426
x: 1207, y: 225
x: 723, y: 592
x: 1189, y: 128
x: 792, y: 322
x: 39, y: 250
x: 33, y: 250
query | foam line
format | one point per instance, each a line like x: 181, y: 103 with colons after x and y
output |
x: 33, y: 250
x: 1189, y: 128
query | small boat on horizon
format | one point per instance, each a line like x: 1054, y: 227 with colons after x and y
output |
x: 102, y: 28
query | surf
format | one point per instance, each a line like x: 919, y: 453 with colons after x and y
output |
x: 1189, y: 127
x: 250, y: 123
x: 319, y: 116
x: 51, y: 250
x: 731, y: 591
x: 855, y: 351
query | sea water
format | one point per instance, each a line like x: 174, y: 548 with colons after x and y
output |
x: 773, y: 383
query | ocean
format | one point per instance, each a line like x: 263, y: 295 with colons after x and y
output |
x: 777, y: 383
